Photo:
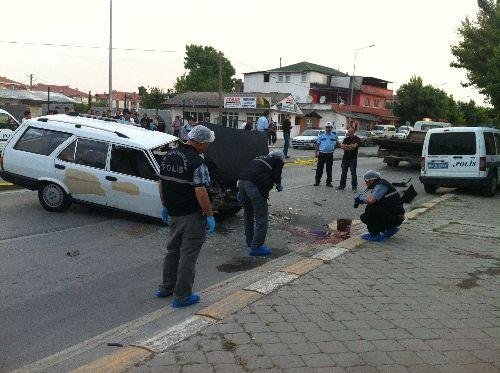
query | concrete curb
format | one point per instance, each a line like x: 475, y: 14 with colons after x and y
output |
x: 140, y: 351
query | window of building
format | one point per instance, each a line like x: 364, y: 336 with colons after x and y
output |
x: 375, y: 102
x: 230, y: 119
x: 280, y: 78
x: 303, y: 78
x: 367, y: 102
x: 266, y: 78
x: 40, y: 141
x: 132, y: 162
x: 287, y: 78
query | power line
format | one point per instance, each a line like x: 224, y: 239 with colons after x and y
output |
x: 85, y: 46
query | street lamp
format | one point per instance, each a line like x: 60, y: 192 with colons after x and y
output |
x: 353, y: 74
x: 110, y: 88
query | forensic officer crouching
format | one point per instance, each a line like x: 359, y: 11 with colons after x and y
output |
x: 384, y: 211
x: 184, y: 179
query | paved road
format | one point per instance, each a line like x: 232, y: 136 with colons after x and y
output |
x: 52, y: 300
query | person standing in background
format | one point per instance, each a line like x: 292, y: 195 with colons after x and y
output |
x: 286, y: 126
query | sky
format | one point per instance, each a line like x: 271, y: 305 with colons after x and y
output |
x: 410, y: 37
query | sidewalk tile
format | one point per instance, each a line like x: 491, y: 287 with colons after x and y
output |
x: 347, y: 359
x: 288, y: 361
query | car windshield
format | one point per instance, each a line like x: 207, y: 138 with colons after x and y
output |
x: 341, y: 132
x: 378, y: 128
x: 403, y: 129
x: 310, y: 133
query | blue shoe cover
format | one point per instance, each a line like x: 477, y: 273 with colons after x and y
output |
x: 163, y: 293
x: 390, y: 232
x: 261, y: 251
x: 372, y: 237
x: 193, y: 298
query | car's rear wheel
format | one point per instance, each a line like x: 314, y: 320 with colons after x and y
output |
x: 430, y: 188
x: 53, y: 198
x: 490, y: 189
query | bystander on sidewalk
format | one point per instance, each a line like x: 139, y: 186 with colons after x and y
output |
x: 426, y: 300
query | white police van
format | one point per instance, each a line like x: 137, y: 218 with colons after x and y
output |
x: 8, y: 124
x: 461, y: 157
x: 87, y: 159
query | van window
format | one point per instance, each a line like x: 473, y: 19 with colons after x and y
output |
x: 7, y: 123
x: 379, y: 128
x: 489, y: 143
x: 452, y: 143
x: 91, y: 153
x: 497, y: 138
x: 131, y: 162
x: 41, y: 141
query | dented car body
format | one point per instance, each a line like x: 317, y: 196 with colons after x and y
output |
x: 91, y: 160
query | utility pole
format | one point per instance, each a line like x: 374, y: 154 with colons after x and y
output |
x: 220, y: 88
x: 31, y: 81
x: 48, y: 99
x: 110, y: 88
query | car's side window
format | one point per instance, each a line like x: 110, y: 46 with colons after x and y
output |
x: 489, y: 143
x: 41, y: 141
x: 91, y: 153
x: 131, y: 162
x: 68, y: 154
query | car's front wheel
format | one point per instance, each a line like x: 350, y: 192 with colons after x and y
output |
x: 53, y: 198
x: 430, y: 188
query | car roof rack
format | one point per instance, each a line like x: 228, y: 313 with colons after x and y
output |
x: 106, y: 119
x: 78, y: 125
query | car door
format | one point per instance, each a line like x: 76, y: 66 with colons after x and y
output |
x: 81, y: 166
x: 133, y: 181
x: 453, y: 154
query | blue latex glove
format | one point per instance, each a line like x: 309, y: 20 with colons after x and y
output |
x: 239, y: 197
x: 164, y: 215
x: 210, y: 227
x: 362, y: 197
x: 280, y: 188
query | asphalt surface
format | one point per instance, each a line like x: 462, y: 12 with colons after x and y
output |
x: 65, y: 278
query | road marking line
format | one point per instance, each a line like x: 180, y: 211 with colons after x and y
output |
x: 272, y: 282
x: 116, y: 362
x: 175, y: 334
x: 329, y: 254
x: 230, y: 304
x: 4, y: 183
x: 303, y: 267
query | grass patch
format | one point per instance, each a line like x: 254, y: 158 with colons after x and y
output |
x: 228, y: 345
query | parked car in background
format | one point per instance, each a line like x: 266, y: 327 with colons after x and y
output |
x: 366, y: 137
x: 307, y: 139
x: 461, y: 157
x: 402, y: 132
x: 8, y: 124
x: 384, y: 131
x: 341, y: 134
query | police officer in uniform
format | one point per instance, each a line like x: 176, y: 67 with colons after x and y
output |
x: 325, y: 145
x: 384, y: 211
x: 184, y: 179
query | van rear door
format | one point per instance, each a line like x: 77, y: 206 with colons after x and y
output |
x: 452, y: 154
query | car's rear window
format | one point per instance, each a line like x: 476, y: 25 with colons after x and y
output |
x: 41, y: 141
x: 452, y: 143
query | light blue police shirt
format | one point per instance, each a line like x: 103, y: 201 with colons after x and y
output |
x: 326, y: 141
x: 262, y: 124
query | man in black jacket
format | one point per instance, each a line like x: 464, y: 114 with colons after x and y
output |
x: 384, y: 211
x: 255, y: 183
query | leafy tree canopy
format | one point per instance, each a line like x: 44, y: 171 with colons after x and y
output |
x: 478, y: 51
x: 202, y: 63
x: 153, y: 99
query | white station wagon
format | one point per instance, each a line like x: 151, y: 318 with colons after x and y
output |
x: 86, y: 159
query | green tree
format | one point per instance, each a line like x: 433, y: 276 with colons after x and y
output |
x: 478, y: 51
x: 154, y: 99
x: 473, y: 115
x: 416, y: 101
x: 202, y: 64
